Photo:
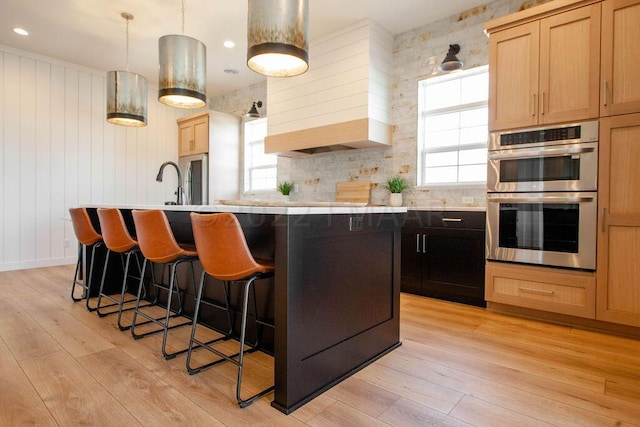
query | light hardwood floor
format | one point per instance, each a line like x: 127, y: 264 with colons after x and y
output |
x: 458, y: 365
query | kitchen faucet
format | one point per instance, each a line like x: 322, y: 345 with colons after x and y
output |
x: 179, y: 190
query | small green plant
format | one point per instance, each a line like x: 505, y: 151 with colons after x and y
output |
x: 285, y: 188
x: 397, y: 184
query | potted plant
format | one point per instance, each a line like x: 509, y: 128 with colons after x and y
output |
x: 396, y: 185
x: 285, y: 188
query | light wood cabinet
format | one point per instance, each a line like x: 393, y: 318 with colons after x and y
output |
x: 545, y: 71
x: 193, y: 134
x: 619, y: 220
x: 620, y: 57
x: 548, y: 289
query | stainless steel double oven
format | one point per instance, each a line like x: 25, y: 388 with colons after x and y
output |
x: 542, y: 196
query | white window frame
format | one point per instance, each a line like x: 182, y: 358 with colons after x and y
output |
x: 247, y: 167
x: 423, y: 151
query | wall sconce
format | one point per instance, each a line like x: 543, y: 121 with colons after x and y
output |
x: 126, y: 93
x: 277, y: 37
x: 253, y: 112
x: 183, y: 70
x: 451, y: 62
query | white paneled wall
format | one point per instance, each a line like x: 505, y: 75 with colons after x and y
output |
x: 58, y: 151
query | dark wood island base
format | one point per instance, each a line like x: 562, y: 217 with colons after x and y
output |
x: 335, y: 297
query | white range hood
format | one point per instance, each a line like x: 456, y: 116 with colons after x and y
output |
x: 342, y: 102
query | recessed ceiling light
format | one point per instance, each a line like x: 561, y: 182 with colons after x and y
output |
x: 229, y: 44
x: 21, y: 31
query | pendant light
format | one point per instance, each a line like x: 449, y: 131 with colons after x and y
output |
x: 183, y: 70
x: 126, y: 93
x: 451, y: 61
x: 277, y: 41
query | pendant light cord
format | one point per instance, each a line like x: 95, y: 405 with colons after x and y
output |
x: 182, y: 16
x: 127, y: 30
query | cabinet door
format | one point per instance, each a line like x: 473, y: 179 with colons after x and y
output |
x: 193, y: 136
x: 570, y: 66
x: 412, y: 259
x: 201, y: 135
x: 185, y: 139
x: 513, y: 77
x: 620, y: 57
x: 618, y: 268
x: 455, y: 264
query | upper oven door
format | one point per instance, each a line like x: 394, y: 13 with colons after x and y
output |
x: 572, y: 167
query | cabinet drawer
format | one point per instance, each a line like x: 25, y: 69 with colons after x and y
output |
x: 540, y: 288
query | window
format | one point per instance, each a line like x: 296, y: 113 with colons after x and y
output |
x: 260, y: 169
x: 452, y: 128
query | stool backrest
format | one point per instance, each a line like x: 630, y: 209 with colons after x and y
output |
x: 222, y: 247
x: 155, y: 238
x: 114, y: 230
x: 82, y: 227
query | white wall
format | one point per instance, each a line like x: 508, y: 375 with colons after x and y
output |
x: 58, y: 151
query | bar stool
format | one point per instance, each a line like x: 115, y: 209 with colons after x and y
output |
x: 225, y: 256
x: 158, y: 245
x: 117, y: 239
x: 87, y: 237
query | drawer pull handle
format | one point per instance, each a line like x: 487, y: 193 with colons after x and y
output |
x: 417, y: 243
x: 536, y: 291
x: 424, y: 243
x: 451, y: 219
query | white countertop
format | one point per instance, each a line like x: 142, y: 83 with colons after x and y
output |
x: 448, y: 208
x: 283, y: 208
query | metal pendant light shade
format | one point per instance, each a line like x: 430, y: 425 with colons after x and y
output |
x: 126, y: 93
x: 126, y: 99
x: 451, y: 62
x: 183, y: 72
x: 277, y: 37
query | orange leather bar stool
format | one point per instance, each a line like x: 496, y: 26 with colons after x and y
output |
x: 117, y: 239
x: 224, y: 255
x: 158, y: 245
x: 87, y: 237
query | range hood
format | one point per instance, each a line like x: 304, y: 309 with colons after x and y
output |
x: 342, y: 103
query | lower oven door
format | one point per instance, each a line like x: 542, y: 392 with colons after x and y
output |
x: 552, y: 229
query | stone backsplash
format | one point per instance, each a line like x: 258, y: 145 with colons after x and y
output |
x: 416, y: 55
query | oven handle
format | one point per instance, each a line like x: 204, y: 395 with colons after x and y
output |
x: 547, y: 152
x: 552, y: 199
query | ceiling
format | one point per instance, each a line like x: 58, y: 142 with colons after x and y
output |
x: 92, y: 33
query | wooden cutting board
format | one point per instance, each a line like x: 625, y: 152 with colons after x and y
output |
x: 353, y: 191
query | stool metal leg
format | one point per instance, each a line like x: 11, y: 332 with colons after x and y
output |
x: 163, y: 321
x: 125, y: 258
x: 223, y: 358
x: 88, y: 280
x: 84, y: 282
x: 243, y: 403
x: 77, y: 277
x: 172, y: 283
x: 104, y: 275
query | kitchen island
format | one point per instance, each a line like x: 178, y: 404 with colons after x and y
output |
x: 334, y: 298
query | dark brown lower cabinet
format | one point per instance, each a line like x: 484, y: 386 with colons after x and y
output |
x: 443, y: 255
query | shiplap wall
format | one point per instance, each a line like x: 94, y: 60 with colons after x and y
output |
x: 349, y: 78
x: 58, y: 151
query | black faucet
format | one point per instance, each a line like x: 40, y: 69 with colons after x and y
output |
x: 179, y: 190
